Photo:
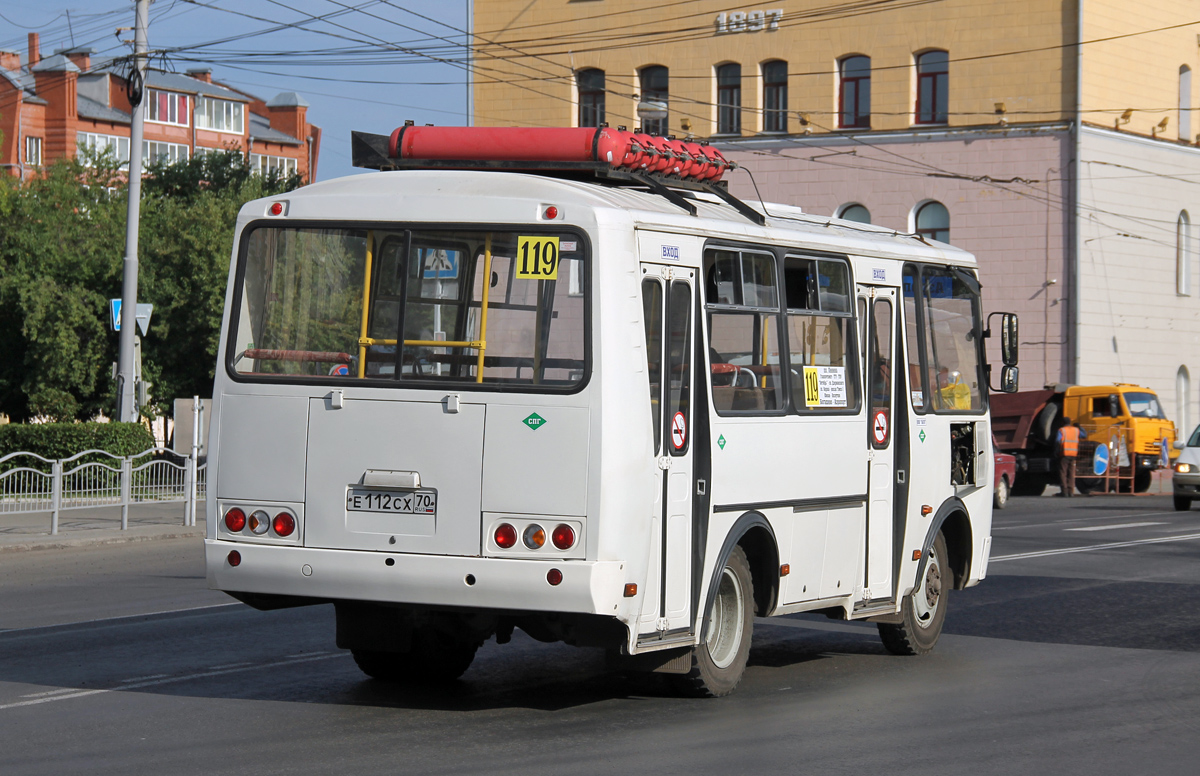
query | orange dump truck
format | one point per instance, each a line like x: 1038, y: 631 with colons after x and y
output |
x: 1026, y: 424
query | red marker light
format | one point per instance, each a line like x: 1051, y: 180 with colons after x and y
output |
x: 235, y: 520
x: 234, y: 558
x: 551, y: 213
x: 284, y: 524
x: 554, y: 576
x: 506, y: 536
x: 276, y: 209
x: 563, y: 536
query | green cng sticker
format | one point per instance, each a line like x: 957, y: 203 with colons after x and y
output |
x: 922, y: 435
x: 721, y: 441
x: 534, y: 421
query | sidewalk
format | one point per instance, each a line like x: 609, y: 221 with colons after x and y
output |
x: 92, y: 526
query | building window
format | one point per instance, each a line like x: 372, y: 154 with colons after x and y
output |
x: 1185, y: 104
x: 159, y: 153
x: 933, y: 222
x: 655, y: 86
x: 855, y: 212
x: 854, y: 92
x: 933, y: 86
x: 729, y: 99
x: 33, y: 151
x: 166, y: 107
x: 262, y: 164
x: 219, y: 115
x: 591, y: 97
x: 775, y: 96
x: 1183, y: 254
x: 98, y: 144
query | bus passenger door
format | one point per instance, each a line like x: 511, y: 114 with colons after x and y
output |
x: 877, y: 312
x: 667, y: 298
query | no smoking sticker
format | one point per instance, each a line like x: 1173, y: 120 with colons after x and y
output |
x: 879, y: 427
x: 678, y: 431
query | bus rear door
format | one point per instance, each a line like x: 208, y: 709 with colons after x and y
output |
x: 877, y: 311
x: 667, y: 299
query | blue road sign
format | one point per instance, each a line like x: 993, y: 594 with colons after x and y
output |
x: 144, y: 311
x: 1100, y: 460
x: 440, y: 264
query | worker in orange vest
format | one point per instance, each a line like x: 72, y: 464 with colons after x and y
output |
x: 1068, y: 450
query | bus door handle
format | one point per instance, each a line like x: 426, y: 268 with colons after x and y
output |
x: 900, y: 476
x: 701, y: 486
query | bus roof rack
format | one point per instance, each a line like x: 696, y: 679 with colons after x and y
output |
x: 664, y: 166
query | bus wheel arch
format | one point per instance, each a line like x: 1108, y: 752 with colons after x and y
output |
x: 753, y: 533
x: 954, y: 524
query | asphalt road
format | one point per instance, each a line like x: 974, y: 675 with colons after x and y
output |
x: 1079, y: 654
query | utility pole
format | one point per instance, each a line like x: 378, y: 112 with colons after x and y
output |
x: 127, y: 409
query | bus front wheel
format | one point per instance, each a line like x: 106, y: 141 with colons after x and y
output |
x: 720, y: 659
x: 924, y: 610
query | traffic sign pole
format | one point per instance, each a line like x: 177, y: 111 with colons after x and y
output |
x: 127, y: 409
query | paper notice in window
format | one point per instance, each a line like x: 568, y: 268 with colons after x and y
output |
x: 825, y: 386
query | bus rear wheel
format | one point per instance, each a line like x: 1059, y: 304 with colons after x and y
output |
x: 719, y: 661
x: 434, y: 658
x: 924, y: 610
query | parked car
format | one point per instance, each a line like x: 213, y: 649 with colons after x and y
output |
x: 1006, y: 475
x: 1185, y: 480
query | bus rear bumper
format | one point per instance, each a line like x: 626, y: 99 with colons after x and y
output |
x: 591, y: 587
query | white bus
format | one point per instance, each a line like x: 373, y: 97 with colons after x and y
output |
x: 458, y: 402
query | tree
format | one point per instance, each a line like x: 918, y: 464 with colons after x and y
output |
x: 62, y: 241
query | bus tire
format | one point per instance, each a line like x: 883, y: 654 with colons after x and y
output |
x: 433, y: 659
x: 1000, y: 497
x: 924, y: 610
x: 719, y: 661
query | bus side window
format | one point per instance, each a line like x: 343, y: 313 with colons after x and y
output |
x: 819, y: 325
x: 652, y: 310
x: 743, y: 331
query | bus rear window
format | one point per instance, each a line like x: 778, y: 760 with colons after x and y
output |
x: 374, y: 304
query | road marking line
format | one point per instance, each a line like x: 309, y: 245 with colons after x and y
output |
x: 7, y: 631
x: 1093, y: 547
x: 158, y: 682
x: 59, y: 691
x: 1112, y: 527
x: 143, y: 678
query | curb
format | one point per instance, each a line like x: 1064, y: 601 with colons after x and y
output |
x: 47, y: 542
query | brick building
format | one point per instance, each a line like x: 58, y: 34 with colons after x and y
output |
x: 51, y: 107
x: 1053, y: 140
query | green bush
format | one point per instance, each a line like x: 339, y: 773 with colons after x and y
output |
x: 62, y: 440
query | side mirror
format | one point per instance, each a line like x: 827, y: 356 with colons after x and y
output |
x: 1008, y: 379
x: 1179, y: 444
x: 1008, y: 337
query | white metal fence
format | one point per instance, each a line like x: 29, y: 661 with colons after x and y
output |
x: 156, y: 476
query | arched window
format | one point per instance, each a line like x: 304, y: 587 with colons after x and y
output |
x: 775, y: 96
x: 933, y: 87
x: 591, y: 97
x: 655, y: 82
x: 854, y: 92
x: 855, y: 212
x: 1185, y: 103
x: 729, y: 99
x: 933, y: 222
x: 1183, y: 254
x: 1183, y: 390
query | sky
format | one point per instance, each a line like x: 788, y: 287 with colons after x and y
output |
x: 361, y: 64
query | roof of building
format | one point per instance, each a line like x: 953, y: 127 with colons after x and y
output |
x: 260, y: 129
x: 90, y: 109
x: 185, y: 83
x: 58, y: 63
x: 287, y: 100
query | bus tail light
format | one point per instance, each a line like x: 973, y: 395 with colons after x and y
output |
x: 235, y: 520
x: 506, y: 536
x: 284, y: 524
x: 260, y: 521
x: 534, y: 536
x: 563, y: 536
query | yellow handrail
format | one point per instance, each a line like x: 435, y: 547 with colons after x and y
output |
x: 366, y: 311
x: 487, y: 287
x: 369, y: 341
